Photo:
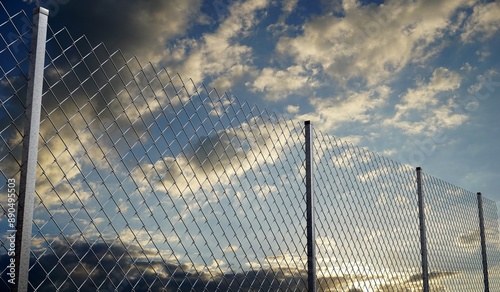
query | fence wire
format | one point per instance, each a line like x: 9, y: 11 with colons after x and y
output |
x: 492, y: 243
x: 148, y: 182
x: 15, y: 32
x: 367, y: 227
x: 454, y: 245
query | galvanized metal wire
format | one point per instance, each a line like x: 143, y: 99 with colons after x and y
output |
x: 490, y: 211
x: 149, y: 182
x: 367, y: 222
x: 453, y: 235
x: 15, y: 32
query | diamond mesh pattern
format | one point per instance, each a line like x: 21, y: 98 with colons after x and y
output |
x: 492, y: 243
x: 367, y: 221
x: 453, y: 241
x: 148, y: 182
x: 15, y: 34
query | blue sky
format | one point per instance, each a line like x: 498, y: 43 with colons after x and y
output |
x: 415, y: 81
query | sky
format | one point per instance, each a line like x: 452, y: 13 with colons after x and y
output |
x: 414, y: 81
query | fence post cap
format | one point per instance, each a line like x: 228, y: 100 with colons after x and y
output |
x: 41, y: 10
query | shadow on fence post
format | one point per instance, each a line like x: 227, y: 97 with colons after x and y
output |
x: 311, y: 241
x: 26, y: 199
x: 483, y: 242
x: 423, y: 237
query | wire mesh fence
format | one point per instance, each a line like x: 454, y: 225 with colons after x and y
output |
x: 368, y: 234
x: 492, y: 237
x: 15, y: 32
x: 14, y: 54
x: 453, y: 235
x: 148, y: 182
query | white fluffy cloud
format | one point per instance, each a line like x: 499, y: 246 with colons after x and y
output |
x: 358, y: 107
x: 424, y: 95
x: 371, y: 42
x: 289, y: 6
x: 431, y: 106
x: 483, y: 23
x: 278, y: 84
x: 219, y: 54
x: 217, y: 160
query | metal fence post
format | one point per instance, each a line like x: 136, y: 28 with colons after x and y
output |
x: 26, y: 198
x: 311, y: 241
x: 423, y: 237
x: 483, y: 242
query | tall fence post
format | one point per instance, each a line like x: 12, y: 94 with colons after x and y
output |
x: 311, y: 241
x: 483, y: 242
x: 26, y: 199
x: 423, y: 237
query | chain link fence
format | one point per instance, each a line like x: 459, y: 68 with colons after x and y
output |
x: 14, y: 53
x: 148, y: 182
x: 367, y: 220
x: 15, y: 33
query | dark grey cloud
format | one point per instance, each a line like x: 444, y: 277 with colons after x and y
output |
x: 433, y: 275
x: 472, y: 238
x: 136, y: 27
x: 110, y: 266
x: 92, y: 95
x: 414, y: 282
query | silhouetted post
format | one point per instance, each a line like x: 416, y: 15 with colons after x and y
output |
x: 311, y: 241
x: 483, y: 242
x: 423, y: 237
x: 26, y: 199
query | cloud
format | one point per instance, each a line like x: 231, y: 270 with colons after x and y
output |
x: 94, y: 113
x: 357, y: 107
x: 59, y: 157
x: 219, y: 54
x: 349, y: 5
x: 278, y: 84
x: 107, y: 265
x: 292, y: 109
x: 443, y: 79
x: 60, y: 160
x: 140, y: 28
x: 471, y: 238
x: 431, y: 106
x: 114, y: 266
x: 289, y: 6
x: 414, y: 282
x: 352, y: 139
x: 487, y: 83
x: 371, y: 42
x: 231, y: 248
x: 425, y: 94
x: 433, y: 275
x: 213, y: 160
x: 483, y: 23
